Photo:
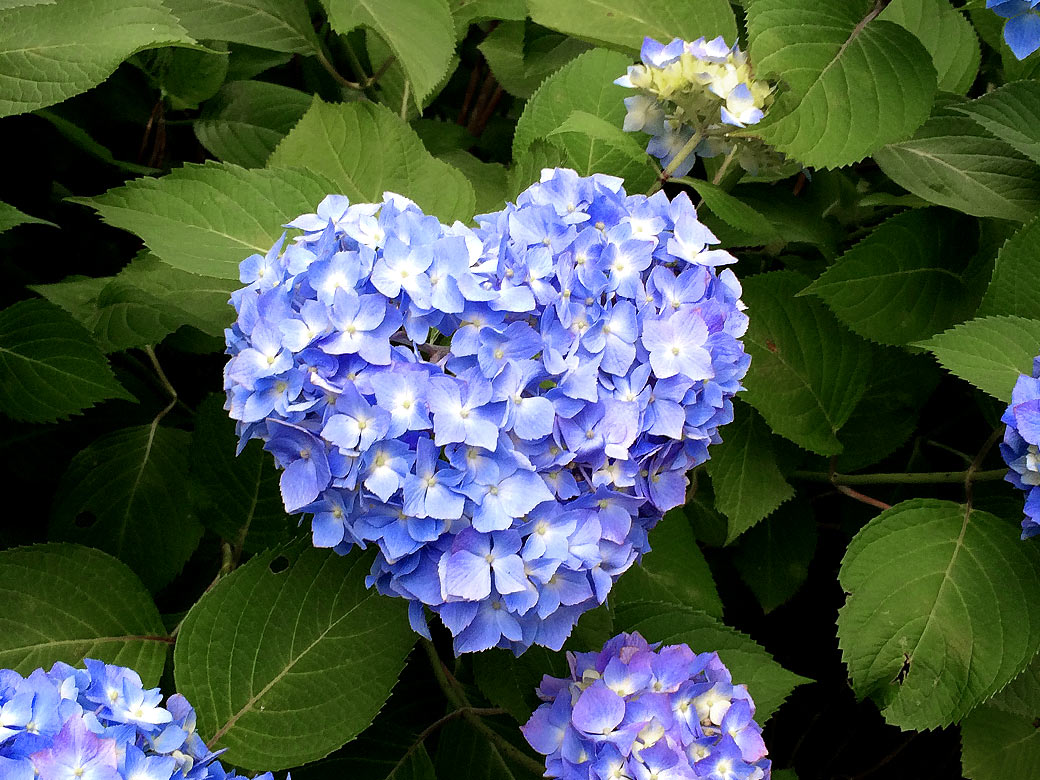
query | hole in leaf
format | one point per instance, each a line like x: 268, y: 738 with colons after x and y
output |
x: 279, y: 564
x: 85, y: 520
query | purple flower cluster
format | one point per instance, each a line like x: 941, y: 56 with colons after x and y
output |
x: 1021, y: 445
x: 638, y: 712
x: 1022, y: 28
x: 504, y: 412
x: 100, y: 723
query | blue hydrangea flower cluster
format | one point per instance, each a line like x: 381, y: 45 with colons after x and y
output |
x: 1022, y: 28
x: 692, y: 89
x: 1021, y: 445
x: 639, y: 712
x: 503, y: 412
x: 98, y: 723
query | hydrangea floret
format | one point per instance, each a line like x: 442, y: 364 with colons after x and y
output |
x: 638, y: 711
x: 1022, y: 28
x: 504, y: 412
x: 692, y: 95
x: 1021, y: 445
x: 98, y: 723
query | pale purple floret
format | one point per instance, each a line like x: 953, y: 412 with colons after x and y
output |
x: 100, y: 723
x: 643, y: 712
x: 1021, y: 446
x: 449, y: 394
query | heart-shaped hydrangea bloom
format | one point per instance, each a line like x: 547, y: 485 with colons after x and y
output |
x: 1021, y: 446
x: 633, y: 710
x: 503, y: 412
x: 98, y: 723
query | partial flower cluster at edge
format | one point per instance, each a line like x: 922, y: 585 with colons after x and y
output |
x: 693, y: 93
x: 1022, y: 28
x: 1021, y: 446
x: 636, y: 711
x: 98, y: 723
x: 503, y: 412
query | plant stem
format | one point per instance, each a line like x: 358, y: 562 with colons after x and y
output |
x: 457, y: 697
x: 911, y: 478
x: 339, y: 77
x: 725, y: 165
x: 678, y: 160
x: 404, y: 99
x: 148, y: 350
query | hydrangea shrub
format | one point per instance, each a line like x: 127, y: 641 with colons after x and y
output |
x: 563, y: 337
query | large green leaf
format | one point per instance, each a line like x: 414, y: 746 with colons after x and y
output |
x: 190, y: 76
x: 744, y: 472
x: 943, y: 610
x: 626, y: 22
x: 420, y: 33
x: 206, y: 219
x: 63, y: 602
x: 281, y: 25
x: 245, y: 120
x: 1012, y: 114
x: 735, y: 212
x: 674, y: 571
x: 11, y: 217
x: 51, y: 52
x: 50, y: 367
x: 953, y: 162
x: 365, y: 149
x: 989, y: 352
x: 855, y: 82
x: 773, y: 557
x: 906, y: 280
x: 126, y: 494
x: 997, y: 745
x: 948, y: 36
x: 240, y: 500
x: 1022, y: 695
x: 1015, y: 286
x: 290, y: 656
x: 807, y: 371
x: 521, y: 65
x: 768, y: 683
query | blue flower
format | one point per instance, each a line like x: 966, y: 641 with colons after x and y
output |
x: 1021, y: 446
x: 502, y: 412
x: 100, y: 723
x: 645, y: 712
x: 1022, y: 28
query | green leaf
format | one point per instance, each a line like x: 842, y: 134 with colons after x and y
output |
x: 63, y: 602
x: 519, y: 65
x: 509, y: 682
x: 1015, y: 287
x: 466, y: 12
x: 807, y: 371
x: 191, y: 76
x: 246, y: 62
x: 773, y: 557
x: 997, y: 745
x: 366, y: 150
x: 1022, y: 695
x: 126, y: 494
x: 744, y: 472
x: 948, y: 36
x: 906, y: 280
x: 855, y: 82
x: 50, y: 367
x: 290, y: 656
x: 281, y: 25
x: 49, y: 53
x: 674, y: 571
x: 887, y: 414
x: 989, y: 352
x: 83, y: 140
x: 489, y: 180
x: 245, y: 120
x: 625, y: 23
x: 953, y: 162
x: 1012, y: 114
x: 240, y: 500
x: 11, y: 217
x: 943, y: 610
x: 620, y: 154
x: 734, y: 212
x: 206, y: 219
x: 420, y: 33
x: 768, y: 683
x: 462, y: 751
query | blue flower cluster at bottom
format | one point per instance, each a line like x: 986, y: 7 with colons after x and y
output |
x: 1021, y: 446
x: 638, y: 712
x: 98, y: 723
